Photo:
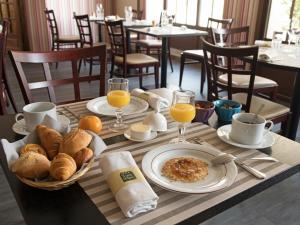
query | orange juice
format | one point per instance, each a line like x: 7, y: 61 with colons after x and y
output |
x: 183, y: 112
x: 118, y: 98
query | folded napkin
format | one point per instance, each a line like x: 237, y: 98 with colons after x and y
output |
x: 155, y: 100
x: 11, y: 150
x: 267, y: 56
x: 262, y: 43
x: 127, y: 183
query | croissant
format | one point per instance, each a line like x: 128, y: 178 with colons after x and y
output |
x: 62, y: 167
x: 74, y: 141
x: 31, y: 165
x: 50, y: 140
x: 33, y: 148
x: 83, y: 156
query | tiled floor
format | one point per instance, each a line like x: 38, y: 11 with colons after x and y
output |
x: 278, y: 205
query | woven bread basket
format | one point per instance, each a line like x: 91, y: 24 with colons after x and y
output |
x: 56, y: 185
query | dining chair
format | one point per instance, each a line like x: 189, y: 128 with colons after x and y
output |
x: 66, y: 81
x: 86, y: 37
x: 196, y: 56
x: 246, y: 96
x: 57, y: 39
x: 238, y: 37
x: 6, y: 96
x: 128, y: 63
x: 154, y: 46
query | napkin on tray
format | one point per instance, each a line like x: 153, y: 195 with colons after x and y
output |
x: 11, y: 150
x: 157, y: 98
x: 127, y: 183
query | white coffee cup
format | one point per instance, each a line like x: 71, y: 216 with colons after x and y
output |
x: 248, y: 129
x: 34, y: 114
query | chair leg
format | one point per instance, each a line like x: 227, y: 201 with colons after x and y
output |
x: 57, y: 48
x: 148, y: 53
x: 170, y: 59
x: 156, y: 76
x: 141, y: 78
x: 182, y: 63
x: 91, y: 66
x: 273, y: 94
x: 203, y: 74
x: 79, y: 66
x: 112, y: 67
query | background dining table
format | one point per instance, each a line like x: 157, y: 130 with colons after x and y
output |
x: 164, y: 33
x: 77, y: 204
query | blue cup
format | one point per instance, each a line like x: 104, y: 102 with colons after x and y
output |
x: 225, y: 109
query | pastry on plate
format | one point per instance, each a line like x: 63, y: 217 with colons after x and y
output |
x: 33, y: 148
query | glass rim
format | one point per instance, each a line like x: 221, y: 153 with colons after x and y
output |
x: 188, y: 92
x: 118, y: 80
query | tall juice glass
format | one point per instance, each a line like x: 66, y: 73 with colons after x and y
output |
x: 118, y: 97
x: 182, y: 111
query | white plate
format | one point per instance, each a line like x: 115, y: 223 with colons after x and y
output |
x: 20, y: 127
x: 218, y: 177
x: 128, y: 136
x: 224, y: 131
x: 100, y: 106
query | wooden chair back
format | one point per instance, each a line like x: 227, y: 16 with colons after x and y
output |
x: 137, y: 15
x: 84, y: 29
x: 117, y: 39
x: 44, y: 58
x: 50, y: 16
x: 215, y: 69
x: 236, y: 36
x: 4, y: 24
x: 217, y: 24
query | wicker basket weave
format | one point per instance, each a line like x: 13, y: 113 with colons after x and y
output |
x: 56, y: 185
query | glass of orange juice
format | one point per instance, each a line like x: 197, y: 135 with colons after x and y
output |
x: 182, y: 111
x: 118, y: 97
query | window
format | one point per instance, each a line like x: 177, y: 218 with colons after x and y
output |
x: 186, y: 11
x: 284, y: 15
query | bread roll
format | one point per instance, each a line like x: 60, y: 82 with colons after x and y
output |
x: 62, y: 167
x: 31, y: 165
x: 33, y: 148
x: 50, y: 140
x: 83, y: 156
x: 74, y: 141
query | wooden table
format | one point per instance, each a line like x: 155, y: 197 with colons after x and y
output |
x: 287, y: 58
x: 72, y: 205
x: 165, y: 33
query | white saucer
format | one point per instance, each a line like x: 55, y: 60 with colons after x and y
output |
x: 224, y: 131
x: 20, y: 128
x: 127, y: 135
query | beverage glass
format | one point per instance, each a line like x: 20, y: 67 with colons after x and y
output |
x: 118, y: 97
x: 182, y: 111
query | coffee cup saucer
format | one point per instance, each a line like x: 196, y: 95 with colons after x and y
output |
x: 128, y: 136
x: 20, y: 126
x: 224, y: 131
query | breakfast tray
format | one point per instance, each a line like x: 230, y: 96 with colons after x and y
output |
x: 172, y: 207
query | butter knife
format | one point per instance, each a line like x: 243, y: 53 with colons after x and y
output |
x: 250, y: 169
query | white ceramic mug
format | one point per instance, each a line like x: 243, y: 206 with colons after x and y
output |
x: 248, y: 129
x: 34, y: 114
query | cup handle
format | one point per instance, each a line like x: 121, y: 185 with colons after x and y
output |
x: 270, y: 127
x: 17, y: 117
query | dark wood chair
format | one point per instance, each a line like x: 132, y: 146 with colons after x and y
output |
x: 239, y: 37
x: 57, y: 39
x: 5, y: 92
x: 86, y: 37
x: 196, y: 55
x: 154, y: 46
x: 44, y: 58
x: 127, y: 63
x: 251, y: 103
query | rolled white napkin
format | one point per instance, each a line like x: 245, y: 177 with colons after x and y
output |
x: 155, y: 101
x: 262, y: 43
x: 127, y: 183
x: 267, y: 56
